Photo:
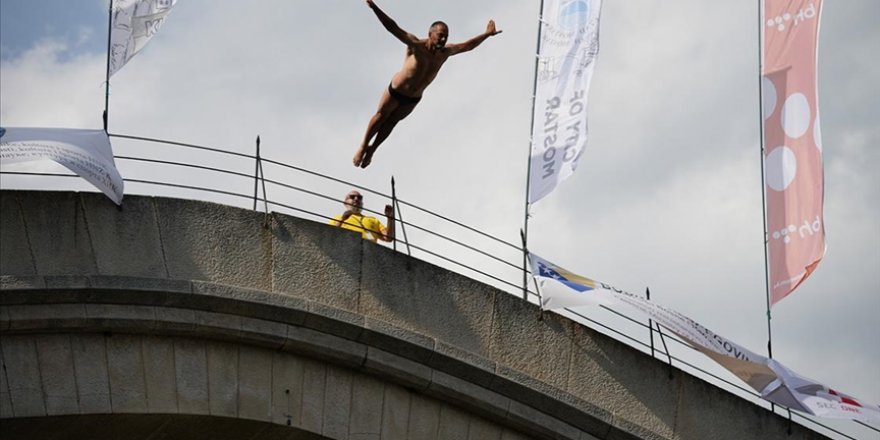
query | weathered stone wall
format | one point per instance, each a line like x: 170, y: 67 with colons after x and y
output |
x: 167, y: 279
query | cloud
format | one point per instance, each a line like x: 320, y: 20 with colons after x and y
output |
x: 41, y: 89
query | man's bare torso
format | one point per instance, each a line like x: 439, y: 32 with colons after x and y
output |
x: 419, y: 69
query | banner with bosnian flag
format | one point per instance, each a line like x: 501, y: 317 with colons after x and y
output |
x: 132, y: 24
x: 792, y: 143
x: 560, y: 288
x: 566, y: 55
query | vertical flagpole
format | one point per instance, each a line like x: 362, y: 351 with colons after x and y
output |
x: 525, y: 231
x: 763, y: 166
x: 107, y: 78
x: 522, y: 235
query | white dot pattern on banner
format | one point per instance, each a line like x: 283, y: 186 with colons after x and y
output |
x: 769, y: 97
x: 796, y: 115
x: 781, y: 166
x: 817, y: 133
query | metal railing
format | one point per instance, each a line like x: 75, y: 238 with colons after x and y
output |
x: 492, y: 269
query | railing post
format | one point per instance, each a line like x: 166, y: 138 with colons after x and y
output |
x: 650, y: 323
x: 257, y: 173
x: 399, y: 216
x: 260, y: 177
x: 666, y: 349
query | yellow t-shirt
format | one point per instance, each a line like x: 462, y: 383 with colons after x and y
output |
x: 362, y: 224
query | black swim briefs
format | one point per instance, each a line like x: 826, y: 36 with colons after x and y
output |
x: 401, y: 98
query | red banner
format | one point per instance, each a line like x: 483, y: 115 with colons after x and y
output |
x: 792, y: 143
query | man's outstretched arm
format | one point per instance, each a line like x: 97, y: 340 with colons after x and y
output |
x: 473, y: 42
x: 388, y: 233
x: 402, y: 35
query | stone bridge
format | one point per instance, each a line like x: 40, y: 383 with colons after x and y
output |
x: 172, y: 318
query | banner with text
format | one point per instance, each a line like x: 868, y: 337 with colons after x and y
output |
x: 566, y: 55
x: 792, y: 143
x: 85, y: 152
x: 132, y: 24
x: 772, y: 380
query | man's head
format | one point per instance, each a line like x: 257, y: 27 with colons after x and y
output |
x: 354, y: 201
x: 437, y: 34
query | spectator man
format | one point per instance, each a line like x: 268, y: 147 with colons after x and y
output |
x: 370, y: 227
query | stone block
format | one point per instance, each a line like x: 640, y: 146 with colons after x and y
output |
x: 453, y: 423
x: 543, y: 424
x: 314, y: 380
x: 140, y: 284
x: 627, y: 383
x: 62, y: 282
x: 339, y: 322
x: 322, y: 346
x: 337, y: 403
x: 171, y: 320
x: 399, y: 341
x: 43, y: 296
x: 250, y: 302
x: 92, y: 377
x: 59, y: 383
x: 254, y: 383
x: 215, y: 325
x: 509, y: 434
x: 470, y: 396
x: 18, y: 282
x: 748, y: 420
x: 316, y: 262
x: 125, y: 368
x: 481, y: 429
x: 367, y: 395
x: 223, y: 385
x: 143, y: 317
x: 462, y: 364
x: 211, y: 242
x: 626, y: 430
x: 395, y: 413
x: 263, y: 333
x: 397, y: 369
x: 17, y: 257
x: 41, y: 317
x: 116, y: 231
x: 5, y: 396
x: 287, y: 389
x: 174, y: 321
x: 540, y: 348
x: 588, y: 436
x: 424, y: 416
x: 63, y: 244
x: 191, y: 372
x: 425, y: 299
x: 159, y: 375
x: 23, y: 373
x: 528, y: 391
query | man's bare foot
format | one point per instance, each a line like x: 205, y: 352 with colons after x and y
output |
x: 368, y: 157
x: 358, y: 158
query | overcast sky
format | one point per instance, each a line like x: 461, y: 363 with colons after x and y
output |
x: 667, y: 194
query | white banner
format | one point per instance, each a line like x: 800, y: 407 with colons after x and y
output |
x: 85, y: 152
x: 772, y: 380
x: 133, y: 23
x: 566, y: 56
